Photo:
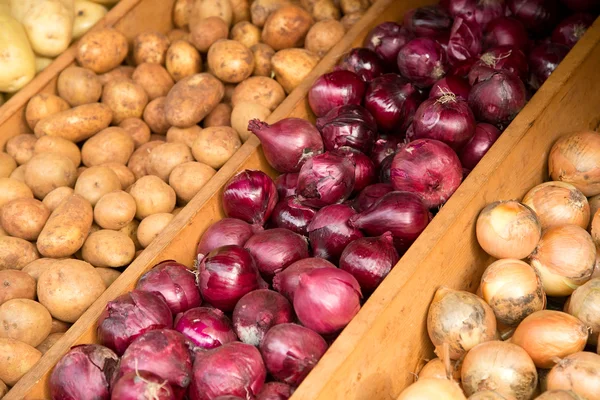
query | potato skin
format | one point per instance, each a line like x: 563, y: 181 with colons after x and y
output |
x: 323, y: 36
x: 108, y: 248
x: 18, y: 63
x: 246, y: 33
x: 205, y: 32
x: 137, y: 129
x: 325, y: 9
x: 167, y: 156
x: 112, y: 144
x: 215, y: 145
x: 261, y: 9
x: 192, y: 98
x: 244, y: 112
x: 95, y: 182
x: 150, y: 47
x: 137, y: 161
x: 76, y: 124
x: 184, y: 135
x: 56, y: 196
x: 203, y: 9
x: 154, y: 79
x: 114, y: 210
x: 11, y: 189
x: 58, y: 145
x: 188, y: 178
x: 220, y: 116
x: 125, y: 175
x: 291, y: 66
x: 16, y: 359
x: 20, y: 147
x: 35, y: 268
x: 102, y: 50
x: 43, y: 105
x: 178, y: 34
x: 48, y: 171
x: 16, y: 285
x: 7, y: 165
x: 15, y: 253
x: 152, y: 196
x: 152, y: 226
x: 108, y: 275
x: 230, y: 61
x: 79, y: 86
x: 181, y: 12
x: 25, y: 320
x: 24, y: 218
x: 131, y: 231
x: 261, y: 90
x: 125, y: 99
x: 287, y: 27
x: 87, y: 14
x: 349, y: 20
x: 115, y: 74
x: 262, y: 59
x: 183, y: 60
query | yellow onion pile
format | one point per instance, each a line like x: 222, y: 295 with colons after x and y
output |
x: 579, y: 372
x: 559, y: 395
x: 436, y: 369
x: 490, y: 395
x: 558, y: 203
x: 431, y: 388
x: 584, y: 304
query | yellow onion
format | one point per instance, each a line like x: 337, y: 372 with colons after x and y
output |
x: 575, y: 159
x: 564, y: 259
x: 508, y: 229
x: 460, y: 319
x: 436, y: 369
x: 548, y: 336
x: 558, y: 203
x: 490, y: 395
x: 596, y: 271
x: 585, y: 305
x: 513, y: 289
x: 559, y: 395
x: 500, y: 366
x: 594, y: 227
x: 594, y: 203
x: 431, y: 388
x: 579, y: 372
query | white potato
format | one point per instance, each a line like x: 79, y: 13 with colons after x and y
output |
x: 87, y: 13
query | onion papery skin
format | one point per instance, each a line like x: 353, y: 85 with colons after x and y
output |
x: 250, y: 196
x: 571, y: 29
x: 130, y: 315
x: 474, y: 150
x: 288, y: 143
x: 422, y: 61
x: 291, y: 214
x: 465, y: 40
x: 451, y: 84
x: 351, y: 126
x: 585, y: 305
x: 480, y: 11
x: 335, y: 89
x: 364, y: 168
x: 436, y: 369
x: 500, y: 366
x: 579, y: 372
x: 286, y: 282
x: 142, y: 384
x: 502, y: 58
x: 286, y: 186
x: 539, y: 16
x: 506, y: 31
x: 384, y: 147
x: 543, y: 60
x: 175, y: 283
x: 257, y: 312
x: 386, y: 39
x: 226, y: 231
x: 431, y: 388
x: 364, y: 62
x: 291, y: 351
x: 369, y: 195
x: 490, y: 395
x: 275, y: 391
x: 460, y: 319
x: 326, y: 300
x: 233, y: 369
x: 498, y: 99
x: 385, y: 169
x: 275, y: 249
x: 85, y: 371
x: 428, y: 168
x: 329, y: 232
x: 559, y: 395
x: 227, y: 274
x: 461, y: 69
x: 558, y: 203
x: 427, y: 21
x: 207, y: 327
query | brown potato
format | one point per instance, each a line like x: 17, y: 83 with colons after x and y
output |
x: 192, y: 98
x: 15, y: 253
x: 354, y: 6
x: 137, y: 129
x: 43, y: 105
x: 215, y: 145
x: 349, y: 20
x: 79, y: 86
x: 155, y: 116
x: 287, y: 27
x: 178, y: 34
x: 101, y: 50
x: 112, y: 144
x: 16, y: 285
x: 121, y: 72
x: 131, y: 231
x: 150, y: 47
x: 152, y: 226
x: 323, y: 36
x: 261, y: 9
x: 260, y: 90
x: 154, y: 78
x: 325, y: 9
x: 184, y: 135
x: 229, y: 89
x: 188, y: 178
x: 152, y: 196
x: 19, y: 173
x: 67, y: 228
x: 125, y: 99
x: 50, y: 340
x: 69, y: 288
x: 58, y: 145
x: 167, y: 156
x: 20, y: 147
x: 246, y: 33
x: 95, y: 182
x: 108, y: 248
x: 183, y: 60
x: 158, y: 137
x: 3, y: 387
x: 25, y: 320
x: 35, y: 268
x: 291, y: 66
x: 203, y: 9
x: 205, y: 32
x: 108, y: 275
x: 114, y: 210
x: 262, y: 59
x: 181, y: 12
x: 80, y: 171
x: 16, y: 359
x: 53, y: 199
x: 220, y: 116
x: 241, y: 10
x: 11, y: 189
x: 7, y: 165
x: 59, y: 326
x: 126, y: 177
x: 76, y: 124
x: 244, y: 112
x: 230, y: 61
x: 24, y: 218
x: 137, y: 161
x: 48, y: 171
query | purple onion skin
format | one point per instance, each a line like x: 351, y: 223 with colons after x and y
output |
x: 335, y: 89
x: 506, y: 31
x: 288, y: 143
x: 227, y: 231
x: 250, y: 196
x: 543, y: 60
x: 175, y: 283
x: 351, y: 126
x: 465, y: 40
x: 370, y: 195
x: 325, y: 179
x: 234, y: 369
x: 275, y: 249
x: 428, y: 21
x: 291, y: 351
x: 571, y: 29
x: 383, y: 148
x: 479, y: 11
x: 275, y: 391
x: 286, y: 185
x: 291, y: 214
x: 364, y: 168
x: 259, y: 311
x: 142, y: 385
x: 386, y: 39
x: 402, y: 213
x: 538, y: 16
x: 370, y: 260
x: 363, y: 62
x: 327, y: 299
x: 385, y: 169
x: 502, y: 58
x: 207, y: 328
x: 451, y: 84
x: 286, y: 282
x: 347, y: 113
x: 485, y: 136
x: 422, y: 61
x: 130, y: 315
x: 329, y: 232
x: 581, y: 5
x: 461, y: 69
x: 85, y: 372
x: 499, y: 99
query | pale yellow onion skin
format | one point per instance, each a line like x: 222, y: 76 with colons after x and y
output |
x: 500, y: 366
x: 431, y: 388
x: 435, y: 369
x: 596, y: 271
x: 579, y: 372
x: 594, y: 227
x: 585, y: 305
x: 490, y: 395
x: 559, y: 395
x: 450, y: 319
x: 575, y: 159
x: 564, y: 259
x: 549, y: 335
x: 558, y: 203
x: 508, y: 229
x: 594, y: 203
x: 513, y: 290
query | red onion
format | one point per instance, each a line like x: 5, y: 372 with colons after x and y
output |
x: 427, y: 21
x: 325, y: 179
x: 228, y: 397
x: 447, y: 119
x: 250, y: 196
x: 226, y: 231
x: 506, y: 31
x: 363, y: 62
x: 571, y: 29
x: 290, y: 214
x: 227, y: 274
x: 386, y: 39
x: 85, y: 372
x: 364, y: 168
x: 480, y: 11
x: 543, y: 60
x: 392, y: 100
x: 385, y: 169
x: 329, y: 232
x: 326, y: 300
x: 286, y: 282
x: 275, y: 391
x: 162, y: 352
x: 451, y: 84
x: 499, y: 99
x: 130, y: 315
x: 370, y: 194
x: 401, y: 213
x: 462, y: 68
x: 136, y: 385
x: 351, y: 126
x: 275, y: 249
x: 207, y: 328
x: 234, y: 369
x: 288, y: 143
x: 502, y: 58
x: 383, y: 148
x: 465, y: 40
x: 286, y: 185
x: 485, y: 136
x: 175, y: 283
x: 581, y: 5
x: 335, y: 89
x: 539, y: 16
x: 370, y: 260
x: 257, y: 312
x: 423, y: 61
